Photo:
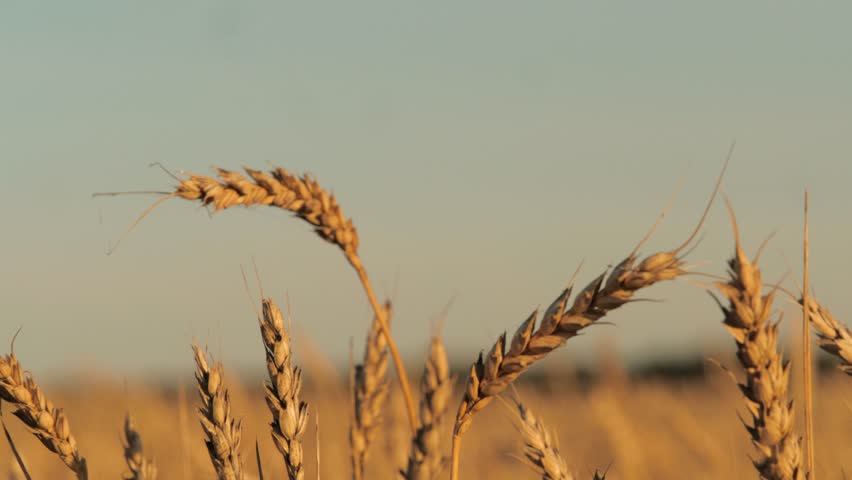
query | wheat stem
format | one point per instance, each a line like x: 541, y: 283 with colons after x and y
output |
x: 807, y: 365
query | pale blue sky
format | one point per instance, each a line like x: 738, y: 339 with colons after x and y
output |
x: 483, y: 149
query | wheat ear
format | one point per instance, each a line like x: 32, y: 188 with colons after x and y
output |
x: 221, y: 429
x: 747, y: 318
x: 832, y: 336
x: 541, y: 452
x: 491, y: 375
x: 47, y: 422
x: 425, y: 462
x: 289, y: 414
x: 303, y: 196
x: 369, y: 392
x: 139, y: 467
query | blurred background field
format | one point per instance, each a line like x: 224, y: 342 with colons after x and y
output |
x: 670, y: 423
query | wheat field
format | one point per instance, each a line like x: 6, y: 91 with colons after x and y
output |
x: 498, y: 417
x: 641, y: 429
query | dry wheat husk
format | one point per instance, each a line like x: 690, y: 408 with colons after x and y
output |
x: 289, y: 414
x: 47, y: 422
x: 747, y: 318
x: 223, y: 432
x: 139, y: 467
x: 425, y: 461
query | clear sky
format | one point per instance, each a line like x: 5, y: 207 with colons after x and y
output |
x: 483, y: 148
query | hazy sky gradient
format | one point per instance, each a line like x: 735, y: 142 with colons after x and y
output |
x: 483, y: 148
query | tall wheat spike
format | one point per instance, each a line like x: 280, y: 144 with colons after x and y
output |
x: 289, y: 414
x: 747, y: 318
x: 139, y: 467
x: 426, y: 462
x: 223, y: 432
x: 369, y: 392
x: 491, y: 375
x: 47, y: 422
x: 303, y: 196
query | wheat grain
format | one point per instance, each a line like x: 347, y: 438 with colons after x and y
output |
x: 289, y: 414
x: 425, y: 462
x: 223, y: 432
x: 369, y: 392
x: 140, y: 468
x: 47, y: 422
x: 747, y: 318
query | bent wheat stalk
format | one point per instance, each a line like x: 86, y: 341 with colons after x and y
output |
x: 222, y: 431
x: 747, y: 318
x: 289, y: 414
x: 139, y: 467
x: 41, y: 417
x: 425, y: 461
x: 303, y: 196
x: 369, y: 392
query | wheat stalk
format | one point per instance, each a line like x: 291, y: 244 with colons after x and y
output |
x: 47, y: 422
x: 221, y: 429
x: 303, y: 196
x: 369, y: 392
x: 807, y: 363
x: 425, y: 461
x: 139, y: 467
x: 541, y: 452
x: 747, y: 318
x: 491, y: 375
x: 289, y: 414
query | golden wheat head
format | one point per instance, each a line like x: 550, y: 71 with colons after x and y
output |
x: 747, y: 318
x: 222, y: 431
x: 289, y: 414
x: 47, y: 422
